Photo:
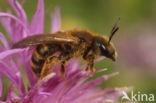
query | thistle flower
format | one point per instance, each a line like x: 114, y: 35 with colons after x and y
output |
x: 53, y: 89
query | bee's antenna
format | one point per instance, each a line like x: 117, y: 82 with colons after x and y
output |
x: 114, y: 30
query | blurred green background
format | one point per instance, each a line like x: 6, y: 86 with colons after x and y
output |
x: 135, y: 41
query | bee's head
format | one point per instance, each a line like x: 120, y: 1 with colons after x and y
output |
x: 105, y: 46
x: 105, y: 49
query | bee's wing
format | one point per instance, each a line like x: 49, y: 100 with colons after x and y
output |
x: 45, y: 39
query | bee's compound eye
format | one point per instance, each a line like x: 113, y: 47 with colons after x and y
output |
x: 103, y: 49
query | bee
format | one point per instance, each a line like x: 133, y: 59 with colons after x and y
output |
x: 61, y: 46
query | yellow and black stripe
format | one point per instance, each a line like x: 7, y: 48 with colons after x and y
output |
x: 40, y: 55
x: 38, y: 58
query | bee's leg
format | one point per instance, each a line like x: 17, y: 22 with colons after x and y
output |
x: 62, y: 70
x: 46, y: 69
x: 64, y: 57
x: 90, y: 64
x: 89, y: 57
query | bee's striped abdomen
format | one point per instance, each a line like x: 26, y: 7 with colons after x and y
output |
x: 38, y: 58
x: 40, y: 55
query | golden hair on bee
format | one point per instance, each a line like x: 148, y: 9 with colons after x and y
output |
x: 70, y: 44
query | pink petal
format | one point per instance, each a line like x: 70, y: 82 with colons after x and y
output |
x: 3, y: 39
x: 55, y: 20
x: 7, y: 53
x: 99, y: 59
x: 37, y: 23
x: 19, y: 10
x: 1, y: 86
x: 30, y: 75
x: 10, y: 91
x: 18, y: 77
x: 17, y: 31
x: 95, y: 82
x: 4, y: 70
x: 14, y: 75
x: 11, y: 71
x: 14, y: 18
x: 11, y: 95
x: 20, y: 84
x: 6, y: 24
x: 96, y: 72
